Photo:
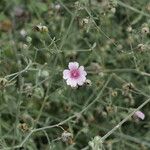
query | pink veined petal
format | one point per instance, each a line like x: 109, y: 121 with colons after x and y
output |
x: 75, y: 75
x: 81, y: 80
x: 66, y: 74
x: 82, y: 71
x: 71, y: 82
x: 140, y: 115
x: 73, y: 65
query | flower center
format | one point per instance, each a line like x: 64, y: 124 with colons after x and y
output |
x: 75, y: 74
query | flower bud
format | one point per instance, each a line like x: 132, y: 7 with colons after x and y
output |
x: 145, y: 30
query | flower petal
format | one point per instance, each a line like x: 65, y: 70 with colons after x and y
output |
x: 66, y: 74
x: 82, y: 71
x: 140, y: 115
x: 73, y: 65
x: 71, y: 82
x: 81, y: 80
x: 75, y: 75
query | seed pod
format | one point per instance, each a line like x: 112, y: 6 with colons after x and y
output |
x: 141, y: 47
x: 113, y: 10
x: 127, y: 87
x: 44, y: 29
x: 3, y: 83
x: 40, y: 28
x: 57, y: 7
x: 109, y: 109
x: 114, y: 93
x: 145, y: 30
x: 129, y: 29
x: 95, y: 143
x: 67, y: 137
x: 78, y: 5
x: 28, y: 89
x: 23, y: 127
x: 26, y: 118
x: 83, y: 22
x: 88, y: 82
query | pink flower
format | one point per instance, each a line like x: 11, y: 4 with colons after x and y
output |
x: 139, y: 114
x: 75, y: 75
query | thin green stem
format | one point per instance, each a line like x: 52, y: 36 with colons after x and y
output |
x: 123, y: 121
x: 133, y: 9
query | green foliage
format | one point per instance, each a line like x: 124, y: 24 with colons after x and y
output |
x: 38, y: 38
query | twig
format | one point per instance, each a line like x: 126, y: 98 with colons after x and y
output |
x: 123, y: 121
x: 133, y: 9
x: 64, y: 121
x: 19, y: 72
x: 127, y: 70
x: 128, y: 137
